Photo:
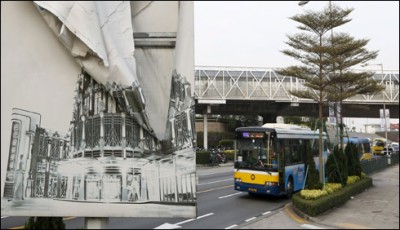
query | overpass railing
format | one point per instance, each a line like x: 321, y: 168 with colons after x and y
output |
x: 229, y: 83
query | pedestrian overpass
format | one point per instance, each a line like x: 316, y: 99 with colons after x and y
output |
x: 262, y: 91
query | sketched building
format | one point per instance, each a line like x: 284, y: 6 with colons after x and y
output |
x: 107, y: 156
x: 106, y: 145
x: 23, y: 128
x: 112, y: 158
x: 48, y: 149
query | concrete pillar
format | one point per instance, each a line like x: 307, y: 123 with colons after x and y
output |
x: 205, y: 130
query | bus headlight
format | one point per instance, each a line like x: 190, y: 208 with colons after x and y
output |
x: 271, y: 183
x: 238, y: 180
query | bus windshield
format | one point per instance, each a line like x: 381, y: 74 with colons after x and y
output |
x: 254, y: 153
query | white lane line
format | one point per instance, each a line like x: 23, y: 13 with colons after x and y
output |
x: 266, y: 213
x: 217, y: 181
x: 309, y: 226
x: 4, y: 217
x: 189, y: 220
x: 209, y: 214
x: 185, y: 221
x: 253, y: 218
x: 233, y: 194
x: 232, y: 226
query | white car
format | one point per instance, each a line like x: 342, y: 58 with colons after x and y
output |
x: 391, y: 148
x: 395, y: 147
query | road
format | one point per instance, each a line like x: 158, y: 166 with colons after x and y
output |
x: 219, y: 206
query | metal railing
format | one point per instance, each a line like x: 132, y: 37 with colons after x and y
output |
x: 229, y: 83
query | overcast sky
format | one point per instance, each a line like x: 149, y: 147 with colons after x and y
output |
x: 252, y: 34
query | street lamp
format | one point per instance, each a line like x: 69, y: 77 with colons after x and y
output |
x: 302, y: 3
x: 383, y: 95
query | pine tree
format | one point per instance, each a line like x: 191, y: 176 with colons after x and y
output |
x: 312, y: 49
x: 326, y: 60
x: 346, y: 53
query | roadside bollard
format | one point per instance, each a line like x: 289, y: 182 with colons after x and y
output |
x: 388, y: 158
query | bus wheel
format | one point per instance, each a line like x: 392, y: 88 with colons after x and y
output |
x: 289, y: 192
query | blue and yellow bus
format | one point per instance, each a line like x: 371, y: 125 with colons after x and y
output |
x: 363, y: 147
x: 271, y: 159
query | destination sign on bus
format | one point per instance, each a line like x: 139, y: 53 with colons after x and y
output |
x: 252, y: 135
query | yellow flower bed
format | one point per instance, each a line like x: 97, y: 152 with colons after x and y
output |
x: 313, y: 194
x: 332, y: 187
x: 352, y: 179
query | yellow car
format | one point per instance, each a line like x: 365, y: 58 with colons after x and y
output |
x: 378, y: 144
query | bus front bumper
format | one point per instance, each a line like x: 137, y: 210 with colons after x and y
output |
x: 256, y: 188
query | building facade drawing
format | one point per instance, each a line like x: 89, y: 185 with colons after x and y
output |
x: 107, y: 156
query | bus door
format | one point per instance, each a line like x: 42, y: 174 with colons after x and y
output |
x: 281, y: 170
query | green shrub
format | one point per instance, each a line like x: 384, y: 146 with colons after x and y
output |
x: 227, y: 143
x: 230, y: 154
x: 45, y: 223
x: 336, y: 167
x: 353, y: 162
x: 202, y: 157
x: 213, y: 138
x: 312, y: 180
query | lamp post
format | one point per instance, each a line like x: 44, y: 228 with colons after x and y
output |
x: 383, y: 95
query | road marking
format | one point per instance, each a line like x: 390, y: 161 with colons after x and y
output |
x: 213, y: 189
x: 266, y: 213
x: 232, y: 226
x: 185, y: 221
x: 189, y: 220
x: 217, y: 181
x: 352, y: 226
x: 4, y: 217
x: 209, y: 214
x: 309, y: 226
x: 253, y: 218
x: 167, y: 226
x: 234, y: 194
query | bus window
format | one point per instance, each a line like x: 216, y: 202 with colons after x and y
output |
x: 251, y: 153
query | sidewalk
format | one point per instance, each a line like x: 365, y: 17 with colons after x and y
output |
x: 375, y: 208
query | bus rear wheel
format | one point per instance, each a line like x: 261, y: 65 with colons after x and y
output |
x: 289, y: 191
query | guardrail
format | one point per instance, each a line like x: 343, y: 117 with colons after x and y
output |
x: 379, y: 163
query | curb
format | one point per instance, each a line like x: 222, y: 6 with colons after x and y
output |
x: 306, y: 218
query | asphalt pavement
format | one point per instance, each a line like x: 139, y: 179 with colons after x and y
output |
x: 375, y: 208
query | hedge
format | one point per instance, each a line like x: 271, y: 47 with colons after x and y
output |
x: 322, y: 204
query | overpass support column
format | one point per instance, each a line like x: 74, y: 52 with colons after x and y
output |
x: 205, y: 130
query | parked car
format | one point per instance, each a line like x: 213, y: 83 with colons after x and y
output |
x: 378, y: 145
x: 395, y: 147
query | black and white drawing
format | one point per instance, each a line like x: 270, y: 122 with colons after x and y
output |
x: 129, y: 148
